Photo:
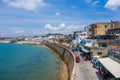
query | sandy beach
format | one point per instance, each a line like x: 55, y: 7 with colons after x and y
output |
x: 63, y: 71
x: 28, y: 42
x: 1, y: 41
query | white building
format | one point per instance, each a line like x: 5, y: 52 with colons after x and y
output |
x: 53, y: 37
x: 81, y: 35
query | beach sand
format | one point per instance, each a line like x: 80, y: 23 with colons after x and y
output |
x: 28, y: 42
x: 63, y: 71
x: 3, y: 41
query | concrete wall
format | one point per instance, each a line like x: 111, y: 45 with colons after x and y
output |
x: 103, y: 51
x: 67, y: 56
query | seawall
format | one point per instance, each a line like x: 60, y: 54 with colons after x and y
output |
x: 67, y: 56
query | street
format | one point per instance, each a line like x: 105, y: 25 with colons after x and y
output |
x: 84, y: 70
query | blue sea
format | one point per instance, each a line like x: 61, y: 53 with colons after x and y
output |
x: 28, y: 62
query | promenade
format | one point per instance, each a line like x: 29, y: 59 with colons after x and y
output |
x: 85, y: 71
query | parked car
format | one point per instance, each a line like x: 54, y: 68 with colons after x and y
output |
x: 74, y: 49
x: 77, y: 59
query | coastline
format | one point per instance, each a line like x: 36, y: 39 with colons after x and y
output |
x: 28, y: 42
x: 63, y: 67
x: 63, y: 71
x: 1, y: 41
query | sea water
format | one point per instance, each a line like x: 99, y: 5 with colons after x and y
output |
x: 28, y: 62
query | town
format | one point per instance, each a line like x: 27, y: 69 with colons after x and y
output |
x: 96, y: 48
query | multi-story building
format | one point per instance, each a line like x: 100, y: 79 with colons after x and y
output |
x: 89, y: 32
x: 98, y: 28
x: 78, y: 36
x: 82, y: 35
x: 114, y: 24
x: 102, y: 28
x: 114, y: 28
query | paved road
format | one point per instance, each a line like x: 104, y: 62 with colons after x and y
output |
x: 84, y: 70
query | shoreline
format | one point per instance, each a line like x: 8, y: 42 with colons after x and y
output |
x: 63, y: 67
x: 63, y: 71
x: 4, y: 41
x: 28, y: 42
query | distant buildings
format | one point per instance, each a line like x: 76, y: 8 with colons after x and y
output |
x: 53, y: 38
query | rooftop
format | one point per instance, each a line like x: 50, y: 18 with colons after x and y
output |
x: 100, y: 23
x: 112, y: 66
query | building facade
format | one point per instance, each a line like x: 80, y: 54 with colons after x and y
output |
x: 81, y: 35
x: 114, y: 28
x: 96, y: 29
x: 114, y: 24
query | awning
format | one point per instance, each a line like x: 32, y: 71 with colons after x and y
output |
x: 96, y: 57
x: 84, y: 50
x: 112, y: 66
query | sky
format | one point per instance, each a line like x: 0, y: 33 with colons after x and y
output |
x: 39, y: 17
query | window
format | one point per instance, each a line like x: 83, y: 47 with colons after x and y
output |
x: 105, y: 26
x: 99, y: 53
x: 95, y: 26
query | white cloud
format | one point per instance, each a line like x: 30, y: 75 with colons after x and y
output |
x: 26, y: 4
x: 50, y: 27
x: 112, y: 4
x: 57, y: 14
x: 63, y: 28
x: 95, y: 2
